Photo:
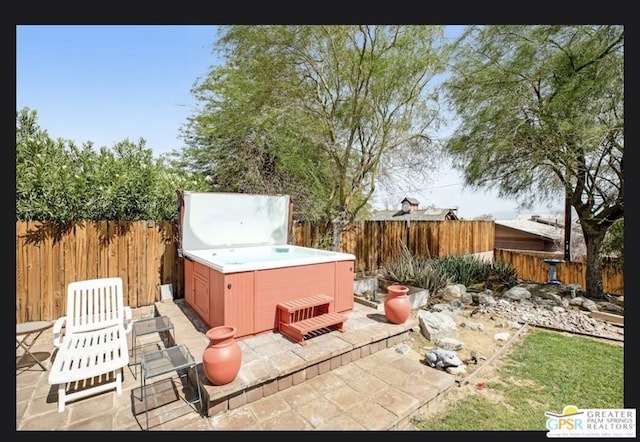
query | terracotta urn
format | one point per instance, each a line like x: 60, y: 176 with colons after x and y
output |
x: 222, y: 357
x: 397, y: 305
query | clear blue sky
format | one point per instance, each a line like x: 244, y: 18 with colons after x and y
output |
x: 105, y: 83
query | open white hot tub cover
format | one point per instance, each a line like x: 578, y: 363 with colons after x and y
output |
x: 222, y: 220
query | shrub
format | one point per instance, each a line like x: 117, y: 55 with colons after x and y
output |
x: 461, y: 269
x: 502, y: 273
x: 409, y: 270
x: 469, y: 270
x: 434, y: 274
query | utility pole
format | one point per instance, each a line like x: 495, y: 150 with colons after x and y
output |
x: 567, y: 227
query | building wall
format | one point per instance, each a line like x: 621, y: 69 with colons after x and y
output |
x: 511, y: 239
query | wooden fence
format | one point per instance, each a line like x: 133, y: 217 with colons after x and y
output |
x: 376, y: 242
x: 531, y: 267
x: 49, y: 256
x: 145, y: 255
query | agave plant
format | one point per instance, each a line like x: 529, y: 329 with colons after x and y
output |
x: 408, y: 270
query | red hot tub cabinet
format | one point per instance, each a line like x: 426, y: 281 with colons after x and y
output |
x: 239, y: 267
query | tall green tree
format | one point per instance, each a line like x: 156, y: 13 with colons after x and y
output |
x: 324, y: 113
x: 541, y: 112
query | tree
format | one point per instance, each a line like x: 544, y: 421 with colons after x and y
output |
x: 541, y: 112
x: 614, y: 243
x: 324, y: 112
x: 58, y: 181
x: 485, y: 217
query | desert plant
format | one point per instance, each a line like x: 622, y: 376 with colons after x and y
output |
x: 435, y: 273
x: 401, y: 269
x: 429, y: 277
x: 469, y: 270
x: 465, y: 270
x: 502, y: 273
x: 416, y: 272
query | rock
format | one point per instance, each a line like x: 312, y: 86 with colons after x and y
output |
x: 590, y: 305
x: 456, y: 305
x: 456, y: 290
x: 486, y: 298
x: 566, y: 311
x: 448, y: 309
x: 466, y: 298
x: 577, y: 301
x: 473, y: 325
x: 437, y: 325
x: 610, y: 307
x: 460, y: 369
x: 513, y: 324
x: 449, y: 344
x: 544, y: 312
x: 516, y: 293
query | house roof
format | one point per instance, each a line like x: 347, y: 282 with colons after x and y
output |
x: 551, y: 228
x: 429, y: 214
x: 410, y: 200
x: 550, y: 232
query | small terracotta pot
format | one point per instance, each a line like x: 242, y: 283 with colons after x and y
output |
x: 222, y: 357
x: 397, y: 305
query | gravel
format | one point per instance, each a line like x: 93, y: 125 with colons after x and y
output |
x: 546, y: 313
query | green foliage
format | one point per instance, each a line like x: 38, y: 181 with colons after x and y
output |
x: 461, y: 269
x: 469, y: 270
x: 435, y: 273
x: 576, y: 379
x: 502, y: 274
x: 322, y: 113
x: 61, y: 182
x: 539, y: 106
x: 613, y: 244
x: 409, y: 270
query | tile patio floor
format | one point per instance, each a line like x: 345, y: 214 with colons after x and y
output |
x: 381, y: 390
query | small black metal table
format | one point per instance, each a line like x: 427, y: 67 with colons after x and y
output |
x: 24, y: 331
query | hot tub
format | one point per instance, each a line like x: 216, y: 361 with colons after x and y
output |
x: 238, y: 265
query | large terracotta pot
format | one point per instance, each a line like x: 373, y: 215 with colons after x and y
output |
x: 397, y: 305
x: 222, y: 357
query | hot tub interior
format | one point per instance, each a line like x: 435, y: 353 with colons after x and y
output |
x: 261, y: 254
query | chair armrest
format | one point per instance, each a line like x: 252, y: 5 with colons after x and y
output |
x: 128, y: 319
x: 57, y: 331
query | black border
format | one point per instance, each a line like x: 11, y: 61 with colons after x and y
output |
x: 269, y: 13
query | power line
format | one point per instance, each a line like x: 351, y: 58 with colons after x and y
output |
x: 445, y: 185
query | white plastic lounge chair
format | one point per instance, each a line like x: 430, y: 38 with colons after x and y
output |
x: 91, y: 340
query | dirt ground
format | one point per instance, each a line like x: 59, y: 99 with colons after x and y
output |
x: 481, y: 354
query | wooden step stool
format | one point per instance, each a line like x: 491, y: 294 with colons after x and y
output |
x: 299, y: 317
